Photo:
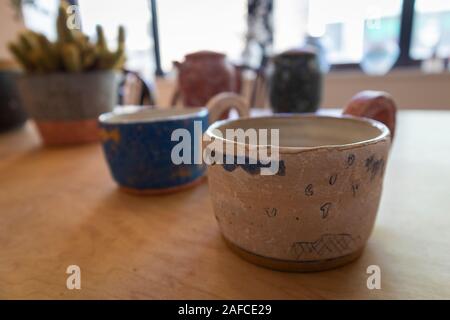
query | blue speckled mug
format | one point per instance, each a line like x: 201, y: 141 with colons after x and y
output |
x: 138, y: 145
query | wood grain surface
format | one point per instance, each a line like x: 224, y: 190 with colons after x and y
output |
x: 59, y: 206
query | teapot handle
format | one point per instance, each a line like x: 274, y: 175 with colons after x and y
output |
x: 222, y: 102
x: 376, y: 105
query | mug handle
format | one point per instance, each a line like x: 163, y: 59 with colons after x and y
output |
x: 222, y: 102
x: 376, y: 105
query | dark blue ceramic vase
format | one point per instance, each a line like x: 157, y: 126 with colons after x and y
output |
x: 153, y: 151
x: 12, y: 114
x: 295, y: 82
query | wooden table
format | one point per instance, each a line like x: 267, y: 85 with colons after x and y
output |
x: 60, y: 207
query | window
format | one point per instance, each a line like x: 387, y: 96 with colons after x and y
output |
x: 135, y: 17
x: 431, y: 29
x: 354, y: 26
x: 289, y: 19
x: 347, y: 27
x: 187, y: 26
x: 41, y: 16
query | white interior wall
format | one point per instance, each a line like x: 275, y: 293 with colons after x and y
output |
x: 10, y: 26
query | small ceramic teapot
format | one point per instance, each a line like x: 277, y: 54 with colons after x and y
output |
x: 204, y: 74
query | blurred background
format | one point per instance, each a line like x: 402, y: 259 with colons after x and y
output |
x: 399, y: 46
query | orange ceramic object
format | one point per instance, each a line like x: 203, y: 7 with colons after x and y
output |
x: 68, y: 132
x: 377, y: 105
x: 202, y: 75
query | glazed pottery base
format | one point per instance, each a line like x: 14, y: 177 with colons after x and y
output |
x: 293, y: 266
x: 55, y: 133
x: 146, y: 192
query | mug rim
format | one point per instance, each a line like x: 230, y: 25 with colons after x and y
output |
x: 122, y: 112
x: 383, y: 135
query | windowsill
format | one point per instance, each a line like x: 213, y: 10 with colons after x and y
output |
x: 410, y: 87
x: 396, y: 73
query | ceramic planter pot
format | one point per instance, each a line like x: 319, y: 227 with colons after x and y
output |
x: 295, y: 82
x: 139, y: 145
x: 65, y: 106
x: 12, y: 114
x: 202, y: 75
x: 318, y: 211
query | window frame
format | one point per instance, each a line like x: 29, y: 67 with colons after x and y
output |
x: 405, y: 38
x: 406, y: 27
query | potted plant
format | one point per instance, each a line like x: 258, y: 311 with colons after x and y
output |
x: 69, y: 82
